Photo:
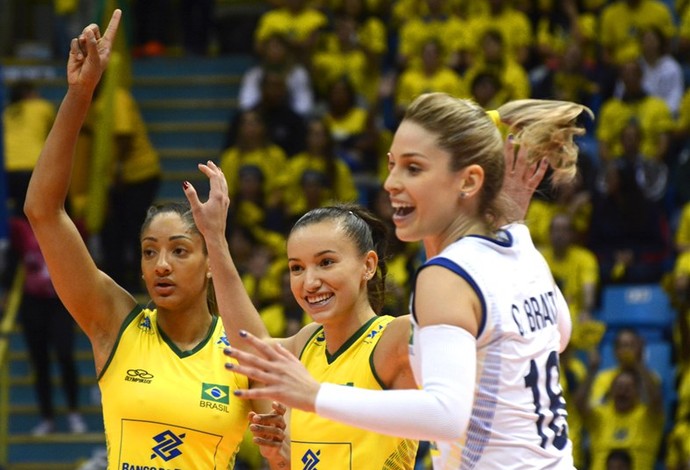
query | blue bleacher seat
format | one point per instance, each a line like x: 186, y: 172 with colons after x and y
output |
x: 644, y: 307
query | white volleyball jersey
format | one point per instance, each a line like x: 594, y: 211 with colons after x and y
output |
x: 518, y: 418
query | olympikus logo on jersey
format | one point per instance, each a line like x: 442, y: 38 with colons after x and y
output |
x: 214, y: 396
x: 310, y: 459
x: 139, y: 375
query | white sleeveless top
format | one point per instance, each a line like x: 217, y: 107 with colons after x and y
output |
x: 518, y: 417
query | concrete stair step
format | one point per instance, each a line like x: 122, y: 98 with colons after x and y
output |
x: 184, y: 103
x: 24, y: 418
x: 208, y: 111
x: 42, y: 466
x: 210, y: 139
x: 235, y: 64
x: 57, y: 448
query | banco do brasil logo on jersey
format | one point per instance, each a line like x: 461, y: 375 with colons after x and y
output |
x: 215, y: 396
x: 168, y: 444
x: 310, y: 459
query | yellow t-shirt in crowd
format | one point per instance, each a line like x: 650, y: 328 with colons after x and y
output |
x: 296, y: 27
x: 639, y: 432
x: 26, y: 126
x: 620, y: 26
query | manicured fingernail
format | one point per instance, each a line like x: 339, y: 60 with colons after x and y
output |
x: 229, y: 366
x: 227, y: 351
x: 237, y: 393
x: 511, y: 137
x: 243, y: 333
x: 185, y: 184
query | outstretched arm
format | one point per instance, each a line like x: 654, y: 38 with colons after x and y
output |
x: 439, y: 411
x: 234, y: 304
x: 96, y: 302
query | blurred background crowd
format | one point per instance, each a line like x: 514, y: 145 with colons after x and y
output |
x: 328, y: 83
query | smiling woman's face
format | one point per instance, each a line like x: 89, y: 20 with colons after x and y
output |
x: 326, y: 271
x: 173, y: 262
x: 420, y: 184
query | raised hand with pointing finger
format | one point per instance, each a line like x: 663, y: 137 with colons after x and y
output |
x: 90, y: 53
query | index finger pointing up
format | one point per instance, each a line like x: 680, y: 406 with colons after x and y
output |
x: 113, y: 25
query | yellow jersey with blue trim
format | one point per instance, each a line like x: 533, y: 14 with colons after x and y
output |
x: 164, y: 408
x: 318, y: 442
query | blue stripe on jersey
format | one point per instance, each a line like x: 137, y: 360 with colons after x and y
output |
x: 484, y: 409
x: 448, y: 264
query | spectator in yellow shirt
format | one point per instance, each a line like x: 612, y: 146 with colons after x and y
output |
x: 439, y: 24
x: 651, y: 112
x: 623, y: 421
x: 513, y: 24
x: 371, y: 33
x: 432, y: 76
x: 575, y: 269
x: 622, y: 20
x: 300, y: 23
x: 320, y: 157
x: 494, y: 58
x: 345, y: 116
x: 251, y: 145
x: 485, y: 89
x: 26, y: 121
x: 345, y: 57
x: 562, y: 25
x: 629, y: 352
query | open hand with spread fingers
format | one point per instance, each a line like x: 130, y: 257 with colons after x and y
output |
x: 522, y: 177
x: 284, y: 377
x: 210, y: 216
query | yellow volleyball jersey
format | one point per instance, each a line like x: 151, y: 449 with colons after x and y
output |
x: 318, y: 442
x: 164, y: 408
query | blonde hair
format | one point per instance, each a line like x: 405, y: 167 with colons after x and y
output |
x: 472, y: 135
x: 465, y: 131
x: 547, y: 128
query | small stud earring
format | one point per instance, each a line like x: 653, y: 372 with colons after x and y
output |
x: 208, y: 275
x: 463, y: 195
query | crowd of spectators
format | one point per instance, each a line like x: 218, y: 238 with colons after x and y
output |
x: 346, y: 69
x: 331, y: 81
